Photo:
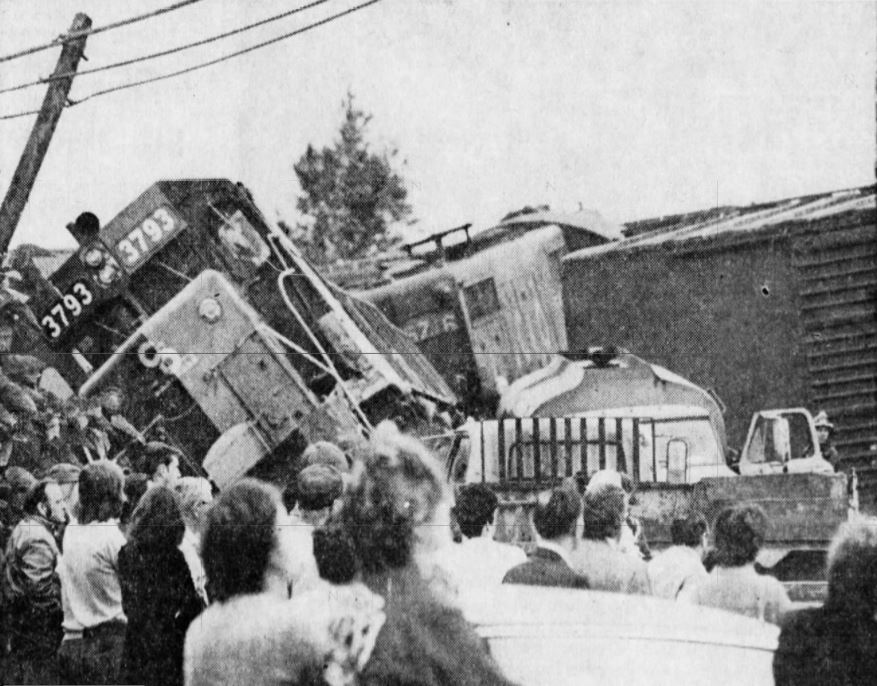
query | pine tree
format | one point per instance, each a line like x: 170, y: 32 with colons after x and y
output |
x: 351, y: 196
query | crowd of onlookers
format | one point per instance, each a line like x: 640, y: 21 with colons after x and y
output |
x: 351, y: 573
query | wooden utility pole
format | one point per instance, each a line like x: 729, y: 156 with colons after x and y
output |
x: 41, y: 134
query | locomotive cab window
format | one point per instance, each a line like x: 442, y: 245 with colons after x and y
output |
x: 481, y: 298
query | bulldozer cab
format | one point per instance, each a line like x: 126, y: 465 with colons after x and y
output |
x: 782, y: 441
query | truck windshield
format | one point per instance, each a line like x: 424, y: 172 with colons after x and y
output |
x: 776, y: 438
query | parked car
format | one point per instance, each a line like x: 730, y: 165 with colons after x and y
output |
x: 558, y: 636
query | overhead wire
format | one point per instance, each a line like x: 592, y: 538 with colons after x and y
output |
x: 163, y: 53
x: 73, y: 35
x: 209, y: 63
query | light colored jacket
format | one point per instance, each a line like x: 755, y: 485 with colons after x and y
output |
x: 674, y: 569
x: 741, y: 590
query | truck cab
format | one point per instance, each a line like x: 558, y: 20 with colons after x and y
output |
x: 782, y: 442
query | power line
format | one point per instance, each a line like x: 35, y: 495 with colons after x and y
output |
x: 67, y: 37
x: 224, y: 58
x: 164, y: 53
x: 203, y: 65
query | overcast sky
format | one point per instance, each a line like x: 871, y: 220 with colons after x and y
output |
x: 634, y: 109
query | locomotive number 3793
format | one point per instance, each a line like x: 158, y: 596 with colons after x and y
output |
x: 64, y: 312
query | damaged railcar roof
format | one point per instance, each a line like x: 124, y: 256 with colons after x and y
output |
x: 716, y: 223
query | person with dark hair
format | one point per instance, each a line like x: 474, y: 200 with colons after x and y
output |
x: 396, y: 514
x: 254, y: 633
x: 136, y: 484
x: 158, y: 595
x: 733, y: 584
x: 94, y: 621
x: 550, y: 564
x: 681, y: 564
x: 836, y: 644
x: 479, y: 562
x: 160, y: 462
x: 599, y: 555
x: 318, y: 488
x: 30, y: 588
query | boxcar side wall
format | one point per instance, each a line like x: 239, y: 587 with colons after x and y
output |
x: 725, y: 320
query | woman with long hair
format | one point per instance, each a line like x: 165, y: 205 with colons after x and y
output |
x: 396, y: 514
x: 158, y: 594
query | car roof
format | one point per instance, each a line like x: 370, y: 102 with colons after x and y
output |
x: 518, y: 610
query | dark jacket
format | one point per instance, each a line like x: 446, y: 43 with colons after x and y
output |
x: 424, y: 641
x: 160, y: 601
x: 545, y: 568
x: 826, y: 647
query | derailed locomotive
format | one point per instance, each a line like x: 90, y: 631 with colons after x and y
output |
x: 222, y: 337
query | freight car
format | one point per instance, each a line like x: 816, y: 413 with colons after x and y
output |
x: 769, y: 306
x: 486, y: 307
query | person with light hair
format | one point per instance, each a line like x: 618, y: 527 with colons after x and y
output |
x: 397, y: 514
x: 836, y: 644
x: 196, y: 496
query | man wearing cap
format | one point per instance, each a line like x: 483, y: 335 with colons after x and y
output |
x: 31, y: 588
x: 824, y: 431
x: 318, y: 488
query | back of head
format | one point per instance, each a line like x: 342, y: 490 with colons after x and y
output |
x: 20, y: 482
x: 476, y: 505
x: 335, y: 554
x: 396, y: 491
x: 689, y: 531
x: 240, y: 538
x: 852, y: 568
x: 603, y: 512
x: 101, y: 493
x: 325, y: 453
x: 739, y: 535
x: 157, y: 523
x: 318, y: 486
x: 558, y: 516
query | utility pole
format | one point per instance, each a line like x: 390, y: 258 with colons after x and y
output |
x: 41, y: 134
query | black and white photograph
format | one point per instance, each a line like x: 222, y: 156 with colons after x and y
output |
x: 438, y: 342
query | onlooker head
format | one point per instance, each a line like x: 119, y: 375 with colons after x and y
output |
x: 244, y: 546
x: 396, y: 497
x: 824, y: 428
x: 852, y: 568
x: 196, y: 496
x: 161, y: 463
x: 557, y: 518
x: 317, y: 488
x: 335, y: 554
x: 475, y: 508
x: 739, y: 535
x: 325, y: 453
x: 157, y: 522
x: 136, y: 484
x: 101, y: 492
x: 47, y: 501
x: 690, y: 531
x: 604, y: 511
x: 20, y: 482
x: 66, y: 475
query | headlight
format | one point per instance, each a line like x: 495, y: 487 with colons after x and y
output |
x: 93, y: 257
x: 210, y: 310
